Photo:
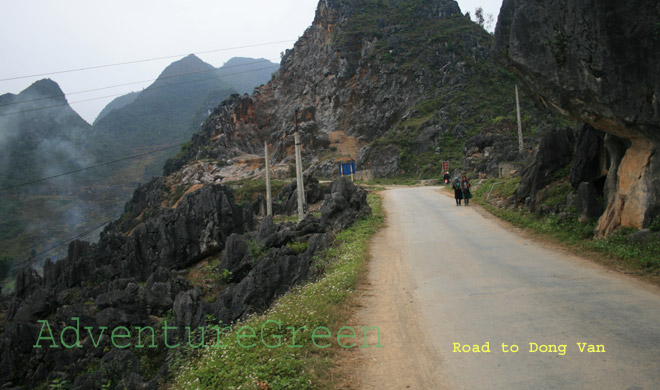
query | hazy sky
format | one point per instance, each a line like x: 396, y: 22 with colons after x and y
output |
x: 42, y: 36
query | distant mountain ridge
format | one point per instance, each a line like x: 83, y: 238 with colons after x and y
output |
x: 47, y: 135
x: 40, y: 136
x: 163, y: 112
x: 116, y: 104
x: 49, y: 138
x: 244, y: 74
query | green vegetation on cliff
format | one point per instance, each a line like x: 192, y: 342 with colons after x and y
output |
x: 324, y: 303
x: 463, y: 90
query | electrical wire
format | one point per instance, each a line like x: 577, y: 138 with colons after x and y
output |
x: 91, y: 167
x: 138, y: 82
x: 34, y: 259
x: 146, y: 89
x: 143, y: 60
x: 26, y: 263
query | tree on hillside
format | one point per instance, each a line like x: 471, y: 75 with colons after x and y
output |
x: 479, y: 16
x: 484, y: 20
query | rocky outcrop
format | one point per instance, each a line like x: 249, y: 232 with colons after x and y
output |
x: 586, y: 202
x: 258, y: 281
x: 345, y: 203
x: 498, y: 145
x: 598, y: 63
x: 361, y: 69
x: 287, y: 199
x: 124, y: 280
x: 589, y: 163
x: 382, y: 160
x: 135, y: 276
x: 554, y: 152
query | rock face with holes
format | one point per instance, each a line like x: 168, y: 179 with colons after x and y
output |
x: 597, y: 62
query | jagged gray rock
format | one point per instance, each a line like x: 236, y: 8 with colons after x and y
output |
x: 382, y: 160
x: 553, y: 153
x: 345, y: 203
x: 604, y: 71
x: 106, y: 284
x: 589, y: 164
x: 587, y: 203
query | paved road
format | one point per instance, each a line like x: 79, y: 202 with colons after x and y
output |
x: 441, y: 275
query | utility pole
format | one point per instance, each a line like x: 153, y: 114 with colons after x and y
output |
x: 269, y: 199
x: 299, y: 172
x: 520, y: 137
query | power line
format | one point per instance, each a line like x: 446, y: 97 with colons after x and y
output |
x: 122, y: 94
x: 139, y: 82
x: 143, y: 60
x: 142, y: 81
x: 90, y: 167
x: 26, y: 263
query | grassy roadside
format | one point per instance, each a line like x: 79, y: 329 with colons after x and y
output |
x: 282, y: 354
x: 619, y: 250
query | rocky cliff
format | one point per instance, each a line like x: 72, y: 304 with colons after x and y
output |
x: 397, y: 85
x: 139, y: 275
x: 599, y: 63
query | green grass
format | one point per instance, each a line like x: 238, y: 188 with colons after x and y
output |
x: 501, y: 187
x: 279, y: 218
x: 324, y: 303
x: 397, y: 180
x: 631, y: 254
x: 247, y: 189
x: 298, y: 247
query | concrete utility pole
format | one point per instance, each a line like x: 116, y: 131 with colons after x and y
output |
x: 299, y: 173
x: 269, y: 199
x: 520, y: 137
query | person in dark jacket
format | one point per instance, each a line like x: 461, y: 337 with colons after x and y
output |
x: 465, y: 188
x: 447, y: 178
x: 458, y: 193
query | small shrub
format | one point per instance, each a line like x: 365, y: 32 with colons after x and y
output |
x: 298, y: 247
x: 256, y: 250
x: 225, y: 275
x: 655, y: 225
x: 59, y: 384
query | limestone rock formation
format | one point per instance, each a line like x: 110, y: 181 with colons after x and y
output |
x: 135, y: 276
x: 402, y: 81
x: 597, y: 62
x: 553, y: 153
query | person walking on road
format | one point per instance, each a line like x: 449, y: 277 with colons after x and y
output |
x: 465, y: 188
x: 458, y: 193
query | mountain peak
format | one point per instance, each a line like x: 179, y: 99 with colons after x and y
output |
x: 43, y: 88
x: 188, y: 64
x: 237, y: 61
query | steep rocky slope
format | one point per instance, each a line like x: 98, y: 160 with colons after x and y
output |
x: 397, y: 85
x: 166, y: 112
x: 116, y: 104
x: 599, y: 63
x: 48, y: 138
x: 246, y: 73
x: 139, y: 275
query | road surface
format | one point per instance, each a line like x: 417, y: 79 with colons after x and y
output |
x: 442, y: 274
